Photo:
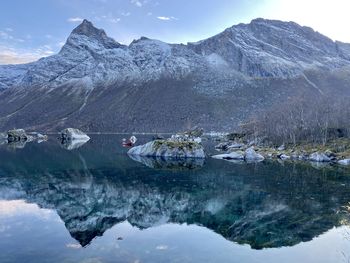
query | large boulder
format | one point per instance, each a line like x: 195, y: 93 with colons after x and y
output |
x: 224, y: 146
x: 230, y: 156
x: 172, y: 148
x: 17, y: 135
x: 252, y: 156
x: 74, y: 134
x: 319, y: 157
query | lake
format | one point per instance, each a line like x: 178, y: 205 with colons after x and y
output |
x: 93, y: 203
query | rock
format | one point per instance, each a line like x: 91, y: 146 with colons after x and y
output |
x: 344, y: 162
x: 230, y: 156
x: 74, y: 134
x: 222, y: 146
x: 251, y: 155
x: 173, y: 148
x: 319, y: 157
x: 235, y: 146
x: 252, y: 143
x: 17, y: 135
x: 281, y: 148
x: 284, y: 157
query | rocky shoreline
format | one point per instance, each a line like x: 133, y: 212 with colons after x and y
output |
x: 336, y: 151
x: 188, y: 144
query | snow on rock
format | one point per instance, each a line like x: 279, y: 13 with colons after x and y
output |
x: 169, y: 148
x: 74, y: 134
x: 263, y: 48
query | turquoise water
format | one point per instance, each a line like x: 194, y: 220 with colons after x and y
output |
x: 95, y: 204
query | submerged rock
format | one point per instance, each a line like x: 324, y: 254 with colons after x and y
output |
x: 173, y: 148
x: 17, y: 135
x: 344, y: 162
x: 252, y: 156
x: 74, y: 134
x: 319, y: 157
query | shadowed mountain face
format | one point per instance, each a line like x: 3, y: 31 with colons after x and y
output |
x: 98, y: 84
x: 97, y: 186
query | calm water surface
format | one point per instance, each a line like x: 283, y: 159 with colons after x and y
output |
x: 59, y: 203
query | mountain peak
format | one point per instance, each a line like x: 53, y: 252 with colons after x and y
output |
x: 88, y: 29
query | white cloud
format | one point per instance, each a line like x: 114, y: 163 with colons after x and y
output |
x: 149, y: 13
x: 10, y: 55
x: 8, y: 29
x: 125, y: 13
x: 114, y: 20
x: 75, y: 19
x: 166, y: 18
x: 5, y: 35
x: 137, y: 3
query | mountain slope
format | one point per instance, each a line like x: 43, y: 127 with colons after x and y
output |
x: 98, y: 84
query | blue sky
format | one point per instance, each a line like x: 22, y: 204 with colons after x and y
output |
x: 33, y: 29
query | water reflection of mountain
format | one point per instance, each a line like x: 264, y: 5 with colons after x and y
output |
x: 95, y: 187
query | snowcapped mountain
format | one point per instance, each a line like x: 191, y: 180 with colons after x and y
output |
x: 95, y: 77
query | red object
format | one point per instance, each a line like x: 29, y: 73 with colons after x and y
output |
x: 127, y: 143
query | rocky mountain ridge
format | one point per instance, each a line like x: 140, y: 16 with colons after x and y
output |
x: 256, y: 64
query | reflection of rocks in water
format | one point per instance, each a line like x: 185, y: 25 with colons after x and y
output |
x: 72, y: 144
x: 169, y: 163
x: 263, y: 205
x: 17, y: 144
x: 320, y: 165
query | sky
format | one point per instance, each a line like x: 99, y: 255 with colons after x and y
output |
x: 33, y: 29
